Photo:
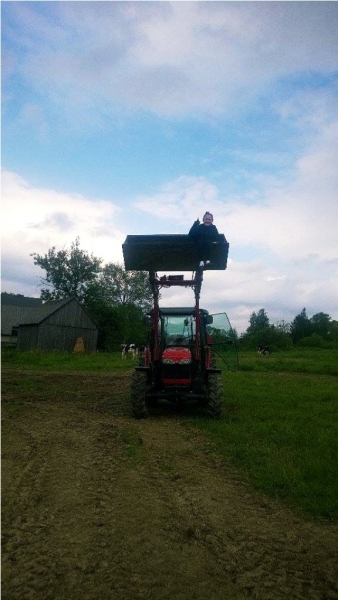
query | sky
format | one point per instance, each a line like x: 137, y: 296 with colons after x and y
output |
x: 125, y: 118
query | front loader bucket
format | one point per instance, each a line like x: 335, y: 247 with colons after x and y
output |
x: 172, y: 252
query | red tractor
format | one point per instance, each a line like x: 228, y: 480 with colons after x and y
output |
x: 179, y: 361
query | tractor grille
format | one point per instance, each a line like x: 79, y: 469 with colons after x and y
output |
x: 176, y: 372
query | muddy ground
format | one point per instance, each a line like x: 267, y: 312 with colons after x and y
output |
x: 99, y: 506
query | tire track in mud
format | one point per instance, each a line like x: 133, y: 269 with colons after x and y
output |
x: 40, y: 500
x: 96, y: 505
x: 149, y: 557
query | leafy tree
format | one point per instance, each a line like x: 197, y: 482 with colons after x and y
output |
x: 122, y: 288
x: 323, y: 333
x: 283, y: 326
x: 12, y: 294
x: 300, y: 327
x: 334, y: 331
x: 118, y: 323
x: 107, y: 320
x: 235, y: 334
x: 258, y: 321
x: 68, y: 272
x: 312, y: 341
x: 132, y: 323
x: 321, y: 324
x: 261, y: 333
x: 269, y: 336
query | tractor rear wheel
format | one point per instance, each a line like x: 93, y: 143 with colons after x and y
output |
x: 215, y: 395
x: 139, y: 395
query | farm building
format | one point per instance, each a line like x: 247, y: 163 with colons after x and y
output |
x: 54, y: 325
x: 15, y: 308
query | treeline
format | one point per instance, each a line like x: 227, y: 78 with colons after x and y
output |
x: 316, y: 331
x: 118, y: 301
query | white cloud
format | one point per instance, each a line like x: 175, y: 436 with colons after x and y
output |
x: 34, y: 220
x: 171, y: 58
x: 281, y: 280
x: 179, y: 199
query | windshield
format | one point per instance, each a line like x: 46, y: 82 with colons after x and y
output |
x: 224, y: 340
x: 178, y: 330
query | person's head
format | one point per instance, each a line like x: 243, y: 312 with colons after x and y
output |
x: 208, y: 219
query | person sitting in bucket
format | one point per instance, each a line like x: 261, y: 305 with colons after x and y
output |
x: 204, y: 235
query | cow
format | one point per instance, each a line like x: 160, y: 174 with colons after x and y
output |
x: 263, y: 350
x: 130, y: 350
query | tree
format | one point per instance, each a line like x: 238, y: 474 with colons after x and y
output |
x: 118, y: 323
x: 300, y: 327
x: 122, y: 288
x: 106, y: 318
x: 68, y: 272
x: 283, y: 326
x: 258, y: 321
x: 261, y: 333
x: 129, y: 292
x: 321, y: 324
x: 334, y: 332
x: 133, y: 325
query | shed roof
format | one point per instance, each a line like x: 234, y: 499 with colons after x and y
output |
x: 19, y: 300
x: 48, y: 308
x: 13, y: 316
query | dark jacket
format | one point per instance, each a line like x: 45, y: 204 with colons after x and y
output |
x: 200, y: 231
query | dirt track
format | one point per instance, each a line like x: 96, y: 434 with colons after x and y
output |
x: 97, y: 506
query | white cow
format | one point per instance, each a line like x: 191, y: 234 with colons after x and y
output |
x: 130, y: 350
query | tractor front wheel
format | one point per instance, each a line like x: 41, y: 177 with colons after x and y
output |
x: 139, y: 395
x: 215, y: 395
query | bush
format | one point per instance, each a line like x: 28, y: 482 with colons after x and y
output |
x: 313, y: 341
x: 270, y: 336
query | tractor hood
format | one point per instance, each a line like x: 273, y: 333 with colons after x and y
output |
x: 176, y: 355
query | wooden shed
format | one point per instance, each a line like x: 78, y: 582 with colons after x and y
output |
x: 58, y: 325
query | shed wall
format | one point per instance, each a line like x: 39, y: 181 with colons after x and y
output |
x: 28, y: 337
x: 58, y: 337
x: 60, y: 330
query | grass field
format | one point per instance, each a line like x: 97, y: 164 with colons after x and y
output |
x: 279, y: 428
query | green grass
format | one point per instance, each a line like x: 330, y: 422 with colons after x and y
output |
x: 279, y: 428
x: 297, y: 360
x: 65, y: 361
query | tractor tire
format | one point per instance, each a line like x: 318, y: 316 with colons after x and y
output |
x: 139, y: 395
x: 215, y: 395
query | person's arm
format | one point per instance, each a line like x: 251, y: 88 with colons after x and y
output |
x: 194, y: 229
